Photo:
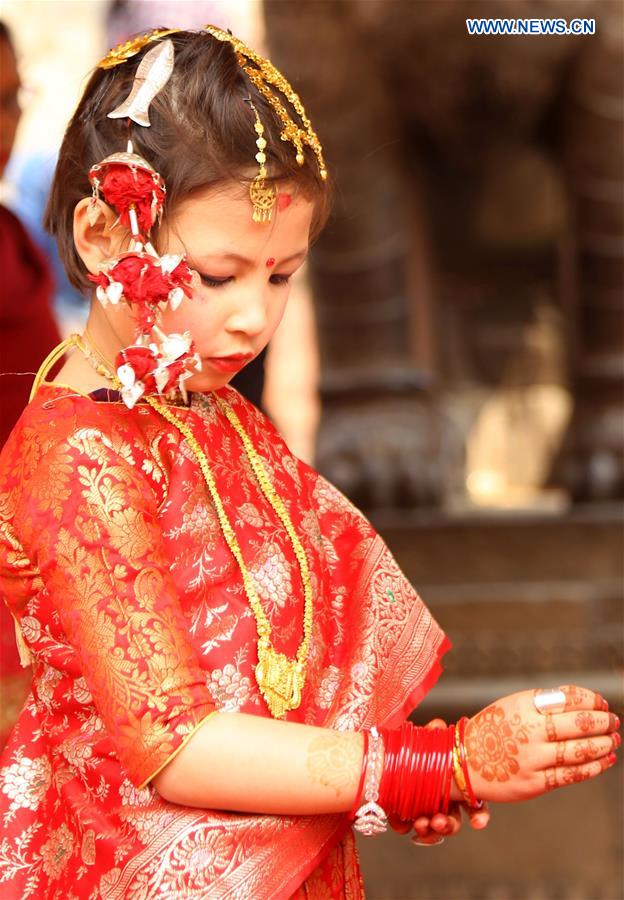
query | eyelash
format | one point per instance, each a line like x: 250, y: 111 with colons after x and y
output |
x: 220, y: 282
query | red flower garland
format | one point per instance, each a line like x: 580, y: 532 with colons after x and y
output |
x: 145, y: 284
x: 145, y: 281
x: 123, y: 186
x: 143, y: 361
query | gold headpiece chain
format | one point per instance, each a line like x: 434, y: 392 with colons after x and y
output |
x: 279, y: 678
x: 262, y: 74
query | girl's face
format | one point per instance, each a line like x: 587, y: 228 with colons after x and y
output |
x: 245, y: 269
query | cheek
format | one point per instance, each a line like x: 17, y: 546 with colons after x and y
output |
x: 194, y: 314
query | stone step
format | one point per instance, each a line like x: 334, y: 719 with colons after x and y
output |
x: 585, y: 543
x: 525, y: 598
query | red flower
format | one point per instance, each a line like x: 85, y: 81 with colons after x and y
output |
x: 182, y: 276
x: 145, y: 317
x: 101, y: 280
x: 142, y: 279
x: 143, y: 362
x: 123, y: 185
x: 174, y: 371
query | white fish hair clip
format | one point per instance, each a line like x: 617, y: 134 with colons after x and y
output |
x: 151, y: 76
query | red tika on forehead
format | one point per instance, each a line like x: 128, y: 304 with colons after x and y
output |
x: 283, y: 201
x: 270, y: 262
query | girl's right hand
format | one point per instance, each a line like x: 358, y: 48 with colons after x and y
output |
x: 514, y: 752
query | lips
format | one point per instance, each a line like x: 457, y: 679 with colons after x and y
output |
x: 229, y: 363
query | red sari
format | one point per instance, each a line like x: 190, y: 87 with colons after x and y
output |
x: 132, y: 610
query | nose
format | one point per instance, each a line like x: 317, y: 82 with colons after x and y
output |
x: 249, y: 314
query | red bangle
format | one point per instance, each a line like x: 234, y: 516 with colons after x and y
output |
x: 413, y: 785
x: 399, y: 765
x: 437, y: 743
x: 450, y: 743
x: 384, y: 783
x: 418, y: 770
x: 358, y: 797
x: 418, y: 773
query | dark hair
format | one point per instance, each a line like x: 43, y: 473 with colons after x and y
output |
x: 202, y: 133
x: 5, y: 34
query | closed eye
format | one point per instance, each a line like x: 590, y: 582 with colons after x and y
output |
x: 214, y: 282
x: 209, y: 281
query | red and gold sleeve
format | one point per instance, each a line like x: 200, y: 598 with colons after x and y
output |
x: 92, y: 528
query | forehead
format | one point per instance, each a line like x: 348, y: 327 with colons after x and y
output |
x: 222, y: 216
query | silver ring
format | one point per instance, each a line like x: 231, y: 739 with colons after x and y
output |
x: 549, y: 700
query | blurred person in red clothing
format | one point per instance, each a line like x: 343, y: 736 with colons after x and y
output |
x: 28, y: 332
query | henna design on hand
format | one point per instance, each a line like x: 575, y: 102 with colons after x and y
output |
x: 587, y: 752
x: 577, y: 696
x: 551, y: 731
x: 550, y: 777
x: 560, y: 757
x: 492, y: 743
x: 585, y: 722
x: 574, y: 774
x: 333, y: 761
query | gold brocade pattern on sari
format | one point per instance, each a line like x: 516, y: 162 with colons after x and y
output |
x: 133, y: 611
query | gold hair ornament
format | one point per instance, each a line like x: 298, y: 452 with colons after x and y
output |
x: 268, y: 81
x: 262, y: 195
x: 128, y: 49
x: 266, y: 78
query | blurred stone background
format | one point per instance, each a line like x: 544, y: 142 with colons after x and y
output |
x: 452, y: 359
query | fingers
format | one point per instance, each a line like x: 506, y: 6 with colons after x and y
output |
x: 448, y: 824
x: 399, y: 825
x: 479, y: 818
x: 426, y: 827
x: 575, y: 753
x: 583, y: 723
x: 436, y: 723
x: 582, y: 698
x: 439, y: 824
x: 559, y: 776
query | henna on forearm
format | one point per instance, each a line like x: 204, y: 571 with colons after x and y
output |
x: 334, y: 760
x: 493, y: 743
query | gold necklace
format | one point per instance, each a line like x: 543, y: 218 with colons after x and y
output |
x: 280, y: 679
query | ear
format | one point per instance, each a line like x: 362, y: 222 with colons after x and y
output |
x: 97, y: 233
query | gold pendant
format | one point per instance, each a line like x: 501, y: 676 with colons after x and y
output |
x: 263, y: 197
x: 279, y: 678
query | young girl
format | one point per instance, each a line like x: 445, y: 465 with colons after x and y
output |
x: 224, y: 651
